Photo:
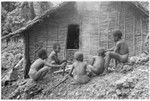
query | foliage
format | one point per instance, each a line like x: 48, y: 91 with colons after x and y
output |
x: 9, y: 6
x: 145, y: 4
x: 17, y: 14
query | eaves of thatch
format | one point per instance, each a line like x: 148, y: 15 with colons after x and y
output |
x: 34, y: 21
x: 50, y: 12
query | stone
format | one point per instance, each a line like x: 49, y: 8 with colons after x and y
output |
x: 126, y: 84
x: 118, y: 92
x: 114, y: 96
x: 13, y: 75
x: 125, y: 91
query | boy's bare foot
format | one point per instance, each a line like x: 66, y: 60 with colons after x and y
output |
x: 105, y: 72
x: 74, y: 83
x: 90, y: 74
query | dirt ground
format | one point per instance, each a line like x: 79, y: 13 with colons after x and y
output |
x: 130, y: 83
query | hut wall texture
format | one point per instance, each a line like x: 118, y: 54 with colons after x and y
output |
x: 97, y: 24
x: 53, y: 30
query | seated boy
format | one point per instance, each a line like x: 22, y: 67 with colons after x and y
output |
x: 78, y: 70
x: 97, y: 64
x: 120, y: 51
x: 40, y: 67
x: 53, y: 57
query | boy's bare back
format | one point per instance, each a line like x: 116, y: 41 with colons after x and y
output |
x: 79, y: 68
x: 38, y: 64
x: 98, y: 64
x: 53, y: 58
x: 122, y: 47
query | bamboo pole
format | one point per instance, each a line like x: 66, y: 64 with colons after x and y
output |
x: 141, y: 34
x: 134, y: 28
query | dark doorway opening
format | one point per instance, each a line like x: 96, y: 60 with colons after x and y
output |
x: 73, y: 37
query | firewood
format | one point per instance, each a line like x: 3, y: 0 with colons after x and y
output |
x: 61, y: 71
x: 19, y: 63
x: 51, y: 89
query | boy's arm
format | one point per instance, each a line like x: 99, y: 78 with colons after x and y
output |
x: 70, y: 73
x: 116, y: 49
x: 53, y: 57
x: 92, y: 61
x: 51, y: 65
x: 62, y: 61
x: 111, y: 49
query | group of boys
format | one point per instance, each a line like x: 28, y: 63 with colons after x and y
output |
x: 80, y: 70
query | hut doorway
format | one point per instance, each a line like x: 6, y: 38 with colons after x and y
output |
x: 72, y: 40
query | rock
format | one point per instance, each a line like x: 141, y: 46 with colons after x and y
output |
x: 27, y: 90
x: 10, y: 77
x: 132, y: 59
x: 114, y: 96
x: 15, y: 94
x: 94, y: 86
x: 126, y: 68
x: 118, y: 92
x: 100, y: 96
x: 125, y: 91
x: 126, y: 85
x: 18, y: 56
x: 13, y: 75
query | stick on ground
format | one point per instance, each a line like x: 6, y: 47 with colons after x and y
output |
x: 51, y: 89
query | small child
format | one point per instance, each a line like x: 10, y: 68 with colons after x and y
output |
x: 97, y: 63
x: 53, y: 57
x: 40, y: 67
x: 120, y: 52
x: 78, y: 71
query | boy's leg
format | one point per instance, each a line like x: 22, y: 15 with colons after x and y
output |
x: 63, y: 61
x: 110, y: 55
x: 42, y: 72
x: 90, y: 69
x: 107, y: 61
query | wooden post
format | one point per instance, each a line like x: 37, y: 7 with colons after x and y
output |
x: 26, y: 55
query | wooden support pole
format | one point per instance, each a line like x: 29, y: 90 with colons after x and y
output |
x: 133, y: 30
x: 141, y: 35
x: 26, y: 55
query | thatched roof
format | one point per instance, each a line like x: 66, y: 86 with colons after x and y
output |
x: 35, y: 20
x: 140, y: 7
x: 49, y: 12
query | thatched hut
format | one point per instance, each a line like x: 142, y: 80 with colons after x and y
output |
x: 85, y: 26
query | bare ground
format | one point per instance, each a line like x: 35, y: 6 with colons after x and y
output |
x: 133, y: 83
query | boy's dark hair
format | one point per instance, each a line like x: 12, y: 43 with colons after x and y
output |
x: 55, y: 45
x: 118, y: 33
x: 42, y: 54
x: 78, y: 56
x: 101, y: 52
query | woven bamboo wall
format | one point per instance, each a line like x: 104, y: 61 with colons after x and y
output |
x: 53, y: 30
x: 97, y: 21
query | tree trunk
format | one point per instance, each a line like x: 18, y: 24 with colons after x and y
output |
x: 32, y: 11
x: 26, y: 55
